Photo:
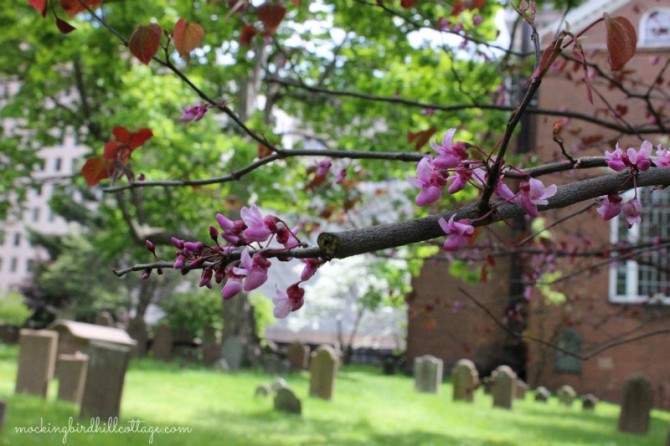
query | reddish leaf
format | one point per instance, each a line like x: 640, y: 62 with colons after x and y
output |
x: 248, y: 33
x: 578, y: 54
x: 263, y: 151
x: 40, y: 6
x: 74, y: 7
x: 63, y: 26
x: 271, y: 15
x: 95, y: 170
x: 132, y: 139
x: 621, y: 41
x: 408, y: 3
x: 484, y: 274
x: 111, y: 150
x: 420, y: 138
x: 145, y: 41
x: 187, y: 36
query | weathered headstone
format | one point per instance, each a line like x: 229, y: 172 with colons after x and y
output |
x: 638, y: 398
x: 465, y: 380
x: 428, y: 374
x: 542, y: 394
x: 323, y: 369
x: 263, y: 390
x: 232, y: 351
x: 504, y: 387
x: 105, y: 319
x: 487, y: 381
x: 162, y: 343
x: 278, y: 383
x: 521, y: 389
x: 104, y: 380
x: 3, y: 413
x: 298, y: 356
x: 71, y: 373
x: 286, y: 401
x: 37, y: 361
x: 211, y: 351
x: 137, y: 329
x: 566, y: 395
x: 589, y: 402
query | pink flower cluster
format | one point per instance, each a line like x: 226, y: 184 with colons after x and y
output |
x: 251, y: 270
x: 194, y: 113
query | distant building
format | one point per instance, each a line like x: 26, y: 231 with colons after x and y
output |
x: 604, y: 306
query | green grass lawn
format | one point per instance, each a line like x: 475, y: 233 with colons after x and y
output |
x: 367, y: 409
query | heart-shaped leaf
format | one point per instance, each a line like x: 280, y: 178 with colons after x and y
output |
x: 132, y: 140
x: 63, y: 26
x: 248, y: 33
x: 271, y: 15
x: 187, y: 36
x: 95, y: 170
x: 621, y: 41
x: 40, y: 6
x: 145, y: 41
x: 74, y: 7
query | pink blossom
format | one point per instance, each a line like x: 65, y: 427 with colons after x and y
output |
x: 458, y: 233
x: 662, y: 158
x: 429, y: 180
x: 503, y: 190
x: 206, y: 278
x: 450, y: 153
x: 477, y: 20
x: 534, y: 193
x: 460, y: 179
x: 193, y: 113
x: 257, y: 230
x: 254, y: 270
x: 641, y: 158
x: 231, y: 288
x: 311, y: 265
x: 616, y: 160
x: 341, y: 175
x: 442, y: 24
x: 287, y: 237
x: 232, y: 229
x: 282, y: 305
x: 633, y: 212
x: 610, y: 206
x: 296, y: 295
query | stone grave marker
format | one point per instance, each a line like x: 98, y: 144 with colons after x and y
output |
x: 162, y: 344
x: 278, y: 383
x: 504, y: 387
x: 298, y: 356
x: 104, y: 380
x: 589, y: 402
x: 486, y: 384
x: 638, y: 398
x: 37, y: 361
x: 465, y: 380
x: 428, y: 374
x: 566, y: 395
x: 263, y: 390
x: 105, y: 319
x: 71, y: 373
x: 232, y: 351
x: 286, y: 401
x: 323, y: 369
x: 542, y: 394
x: 137, y: 329
x: 521, y: 389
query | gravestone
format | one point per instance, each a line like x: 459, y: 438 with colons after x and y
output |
x: 211, y: 352
x: 323, y: 368
x: 105, y: 376
x: 137, y: 329
x: 298, y: 356
x: 286, y: 401
x: 638, y: 398
x: 486, y: 384
x: 3, y: 413
x: 566, y: 395
x: 232, y: 351
x: 521, y: 389
x: 71, y: 373
x: 263, y: 390
x: 542, y: 394
x: 278, y: 383
x: 37, y: 361
x: 105, y: 319
x: 589, y: 402
x: 465, y: 379
x: 427, y: 374
x: 162, y: 343
x: 503, y: 387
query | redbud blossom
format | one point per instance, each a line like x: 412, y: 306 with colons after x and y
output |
x: 255, y: 270
x: 641, y: 158
x: 460, y: 179
x: 296, y: 295
x: 610, y: 206
x: 617, y: 159
x: 429, y: 179
x: 633, y: 210
x: 150, y: 246
x: 193, y: 113
x: 146, y: 273
x: 256, y: 230
x: 662, y: 158
x: 341, y: 175
x: 534, y: 193
x: 311, y: 265
x: 206, y: 278
x: 282, y: 305
x: 450, y: 153
x: 179, y: 262
x: 458, y: 233
x: 213, y: 233
x: 477, y: 20
x: 231, y: 288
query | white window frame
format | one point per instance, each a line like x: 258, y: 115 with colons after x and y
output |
x: 642, y: 33
x: 632, y: 295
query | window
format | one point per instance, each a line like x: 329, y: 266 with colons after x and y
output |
x: 655, y: 28
x: 13, y: 265
x: 571, y: 341
x: 645, y: 278
x: 35, y: 215
x: 17, y: 239
x: 58, y: 164
x: 30, y: 266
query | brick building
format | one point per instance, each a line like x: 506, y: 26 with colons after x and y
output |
x: 605, y: 303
